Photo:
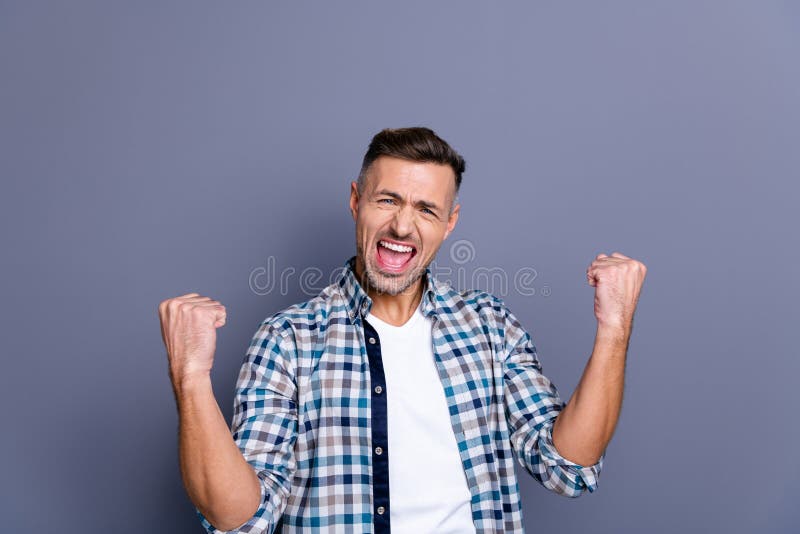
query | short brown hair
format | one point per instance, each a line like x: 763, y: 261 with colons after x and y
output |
x: 414, y: 144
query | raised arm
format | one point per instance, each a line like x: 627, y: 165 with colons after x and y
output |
x: 585, y: 426
x: 218, y: 479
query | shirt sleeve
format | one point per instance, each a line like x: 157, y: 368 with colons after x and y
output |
x: 532, y: 404
x: 264, y: 424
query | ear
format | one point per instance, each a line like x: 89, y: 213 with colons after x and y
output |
x: 452, y: 220
x: 354, y: 200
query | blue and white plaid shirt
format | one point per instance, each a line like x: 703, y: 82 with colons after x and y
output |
x: 308, y: 412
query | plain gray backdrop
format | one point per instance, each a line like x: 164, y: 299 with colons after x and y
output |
x: 149, y: 149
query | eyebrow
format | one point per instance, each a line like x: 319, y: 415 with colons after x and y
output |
x: 419, y: 203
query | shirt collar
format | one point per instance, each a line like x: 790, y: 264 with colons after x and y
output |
x: 359, y: 303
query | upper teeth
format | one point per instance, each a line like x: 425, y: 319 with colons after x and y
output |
x: 396, y: 248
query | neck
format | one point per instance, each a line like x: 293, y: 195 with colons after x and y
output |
x: 393, y: 309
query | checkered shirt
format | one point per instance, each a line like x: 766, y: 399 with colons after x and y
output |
x: 304, y: 412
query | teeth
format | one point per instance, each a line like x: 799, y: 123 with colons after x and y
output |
x: 396, y: 248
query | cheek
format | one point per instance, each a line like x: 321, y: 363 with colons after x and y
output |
x: 372, y: 220
x: 432, y: 237
x: 364, y: 230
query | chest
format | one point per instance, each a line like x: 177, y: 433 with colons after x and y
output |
x: 335, y: 382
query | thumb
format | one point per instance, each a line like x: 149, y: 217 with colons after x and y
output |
x: 220, y: 316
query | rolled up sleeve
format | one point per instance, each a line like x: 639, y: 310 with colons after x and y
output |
x: 264, y: 425
x: 532, y: 405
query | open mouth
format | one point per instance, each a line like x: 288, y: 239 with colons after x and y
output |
x: 394, y: 256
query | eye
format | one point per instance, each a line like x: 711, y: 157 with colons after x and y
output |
x: 386, y: 201
x: 427, y: 211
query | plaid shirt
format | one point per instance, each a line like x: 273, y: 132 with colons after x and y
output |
x: 308, y: 413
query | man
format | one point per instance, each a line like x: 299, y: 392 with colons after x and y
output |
x: 390, y: 400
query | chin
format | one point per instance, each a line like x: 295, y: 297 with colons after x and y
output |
x: 390, y: 283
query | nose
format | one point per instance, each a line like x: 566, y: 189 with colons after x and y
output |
x: 403, y: 222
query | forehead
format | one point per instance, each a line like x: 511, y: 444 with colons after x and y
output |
x: 411, y: 177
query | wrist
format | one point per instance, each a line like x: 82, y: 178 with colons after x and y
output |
x: 186, y: 381
x: 616, y: 333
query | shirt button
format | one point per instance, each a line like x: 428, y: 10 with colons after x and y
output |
x: 378, y: 390
x: 381, y: 509
x: 372, y: 341
x: 378, y: 451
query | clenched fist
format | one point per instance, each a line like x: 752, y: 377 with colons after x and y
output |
x: 189, y: 328
x: 617, y: 280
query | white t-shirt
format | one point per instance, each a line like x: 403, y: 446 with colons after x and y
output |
x: 427, y: 487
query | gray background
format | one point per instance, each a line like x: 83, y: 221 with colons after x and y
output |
x: 150, y: 149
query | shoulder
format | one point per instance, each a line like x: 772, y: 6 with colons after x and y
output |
x: 308, y: 316
x: 470, y: 302
x: 489, y: 310
x: 284, y: 339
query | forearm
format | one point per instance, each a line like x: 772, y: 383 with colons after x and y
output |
x: 218, y: 479
x: 585, y: 426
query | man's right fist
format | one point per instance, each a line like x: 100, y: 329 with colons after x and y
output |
x: 189, y: 329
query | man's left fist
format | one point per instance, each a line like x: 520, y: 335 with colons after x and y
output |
x: 617, y: 280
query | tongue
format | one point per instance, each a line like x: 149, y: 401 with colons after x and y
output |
x: 393, y: 258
